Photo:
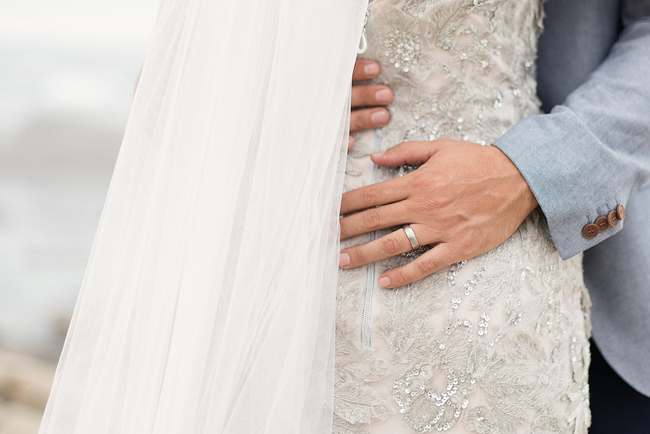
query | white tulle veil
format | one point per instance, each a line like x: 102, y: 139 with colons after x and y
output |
x: 209, y: 300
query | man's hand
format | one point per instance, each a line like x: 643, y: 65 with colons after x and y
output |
x: 367, y: 100
x: 464, y: 200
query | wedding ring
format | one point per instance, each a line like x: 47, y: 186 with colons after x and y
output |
x: 411, y: 236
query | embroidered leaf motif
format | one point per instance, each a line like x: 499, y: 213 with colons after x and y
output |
x: 357, y: 403
x: 341, y: 426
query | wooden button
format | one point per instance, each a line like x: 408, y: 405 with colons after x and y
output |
x: 602, y: 224
x: 612, y: 219
x: 590, y: 231
x: 620, y: 212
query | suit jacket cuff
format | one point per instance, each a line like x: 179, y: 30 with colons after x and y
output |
x: 562, y: 161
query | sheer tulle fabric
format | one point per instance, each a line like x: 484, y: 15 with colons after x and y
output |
x: 208, y: 302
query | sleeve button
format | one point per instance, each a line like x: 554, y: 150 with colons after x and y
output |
x: 612, y: 219
x: 620, y: 212
x: 590, y: 231
x: 602, y: 224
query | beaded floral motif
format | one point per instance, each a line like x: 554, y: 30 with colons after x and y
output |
x: 403, y: 49
x: 494, y: 345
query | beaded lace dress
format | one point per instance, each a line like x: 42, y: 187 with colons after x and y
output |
x: 497, y: 344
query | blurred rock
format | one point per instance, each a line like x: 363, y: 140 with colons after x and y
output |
x: 19, y: 419
x: 25, y: 383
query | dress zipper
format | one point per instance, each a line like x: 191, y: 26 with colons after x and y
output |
x: 369, y: 294
x: 370, y: 273
x: 363, y: 43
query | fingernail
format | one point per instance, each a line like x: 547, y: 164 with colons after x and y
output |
x: 344, y: 259
x: 378, y: 154
x: 379, y: 118
x: 383, y: 96
x: 371, y: 69
x: 384, y: 281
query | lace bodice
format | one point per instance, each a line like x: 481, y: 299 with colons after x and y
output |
x: 497, y: 344
x: 461, y: 69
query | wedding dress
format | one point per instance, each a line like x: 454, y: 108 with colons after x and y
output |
x: 494, y: 345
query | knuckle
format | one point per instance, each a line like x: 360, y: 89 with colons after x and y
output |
x: 436, y: 202
x: 362, y: 95
x: 358, y: 256
x: 418, y: 182
x: 356, y: 121
x: 445, y: 224
x: 429, y: 204
x: 366, y: 120
x: 355, y: 96
x: 371, y: 218
x: 358, y: 72
x: 465, y: 245
x: 391, y: 245
x: 369, y: 95
x: 369, y: 196
x: 426, y: 266
x: 344, y: 230
x: 360, y: 120
x: 400, y: 278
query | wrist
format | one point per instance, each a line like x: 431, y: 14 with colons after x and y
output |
x: 521, y: 189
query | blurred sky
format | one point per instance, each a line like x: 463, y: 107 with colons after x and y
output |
x: 70, y: 55
x: 67, y: 75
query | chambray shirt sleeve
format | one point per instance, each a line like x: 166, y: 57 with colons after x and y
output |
x: 589, y: 154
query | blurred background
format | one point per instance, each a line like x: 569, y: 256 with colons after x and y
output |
x: 67, y: 75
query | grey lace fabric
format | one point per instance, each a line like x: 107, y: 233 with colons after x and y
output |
x: 494, y: 345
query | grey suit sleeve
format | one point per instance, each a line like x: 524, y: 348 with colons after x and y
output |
x: 590, y: 153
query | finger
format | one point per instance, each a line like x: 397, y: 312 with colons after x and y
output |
x: 351, y: 142
x: 414, y: 153
x: 368, y: 119
x: 387, y: 246
x: 372, y: 219
x: 381, y: 193
x: 365, y: 70
x: 370, y: 95
x: 439, y: 257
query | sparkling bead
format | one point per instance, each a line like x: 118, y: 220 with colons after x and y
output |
x: 498, y: 101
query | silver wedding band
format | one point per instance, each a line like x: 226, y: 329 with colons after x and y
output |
x: 411, y: 236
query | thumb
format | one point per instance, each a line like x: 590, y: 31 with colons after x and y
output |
x: 413, y: 153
